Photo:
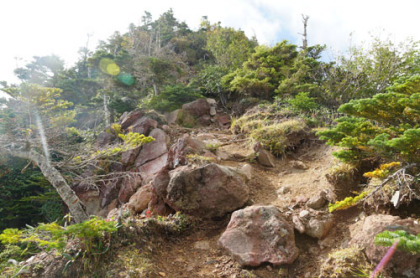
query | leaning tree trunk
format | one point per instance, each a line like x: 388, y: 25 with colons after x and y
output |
x: 75, y: 205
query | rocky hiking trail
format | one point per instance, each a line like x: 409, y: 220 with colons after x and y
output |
x: 245, y: 213
x: 294, y: 178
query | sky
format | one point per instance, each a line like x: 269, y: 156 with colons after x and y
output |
x: 43, y: 27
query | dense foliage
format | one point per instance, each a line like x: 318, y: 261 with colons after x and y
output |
x: 385, y: 125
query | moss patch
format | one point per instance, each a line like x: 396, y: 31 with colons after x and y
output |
x: 346, y: 263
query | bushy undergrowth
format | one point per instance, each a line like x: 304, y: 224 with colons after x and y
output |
x: 386, y: 125
x: 90, y: 239
x: 272, y: 128
x: 173, y: 97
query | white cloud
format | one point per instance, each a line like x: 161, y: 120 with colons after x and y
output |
x: 45, y: 27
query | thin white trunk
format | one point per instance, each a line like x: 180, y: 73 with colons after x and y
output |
x: 106, y: 111
x: 75, y: 205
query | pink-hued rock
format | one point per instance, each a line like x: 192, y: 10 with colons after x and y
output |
x: 129, y: 157
x: 91, y: 199
x: 149, y: 169
x: 403, y: 264
x: 204, y: 120
x: 197, y: 108
x: 185, y: 145
x: 207, y: 191
x: 128, y: 118
x: 128, y: 187
x: 143, y: 125
x: 160, y: 182
x: 259, y: 234
x: 109, y: 192
x: 314, y: 223
x: 264, y: 157
x: 140, y: 200
x: 172, y: 117
x: 154, y: 149
x: 104, y: 139
x: 224, y: 121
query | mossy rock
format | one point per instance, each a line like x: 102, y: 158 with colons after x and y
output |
x: 159, y: 118
x: 185, y: 119
x: 280, y: 137
x: 345, y: 178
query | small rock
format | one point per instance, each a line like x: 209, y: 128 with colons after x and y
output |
x: 283, y: 190
x: 246, y: 169
x: 317, y: 201
x: 140, y: 200
x: 319, y: 228
x: 304, y: 213
x: 204, y: 245
x: 298, y: 224
x: 211, y: 101
x: 162, y: 274
x: 298, y: 165
x: 265, y: 158
x: 301, y: 199
x: 313, y: 223
x: 212, y: 111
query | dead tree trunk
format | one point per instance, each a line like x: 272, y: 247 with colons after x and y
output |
x: 75, y: 205
x: 305, y: 35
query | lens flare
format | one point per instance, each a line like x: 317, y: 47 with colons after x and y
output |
x: 126, y: 79
x: 108, y: 66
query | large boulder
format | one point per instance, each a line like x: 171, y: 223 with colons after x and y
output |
x: 207, y: 191
x: 128, y: 118
x: 259, y: 234
x: 149, y: 169
x: 128, y: 187
x: 153, y: 149
x: 143, y: 125
x: 184, y: 146
x: 197, y: 108
x: 140, y: 200
x: 403, y: 264
x: 104, y: 139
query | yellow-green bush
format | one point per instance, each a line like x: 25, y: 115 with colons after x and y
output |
x: 278, y: 137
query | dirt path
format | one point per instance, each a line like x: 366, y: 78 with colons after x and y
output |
x: 197, y: 253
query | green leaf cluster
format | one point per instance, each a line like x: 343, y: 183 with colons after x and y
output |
x: 53, y: 236
x: 347, y: 202
x: 407, y: 242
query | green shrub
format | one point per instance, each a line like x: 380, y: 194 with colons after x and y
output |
x: 90, y: 233
x: 173, y: 97
x: 407, y: 242
x: 280, y: 136
x: 7, y: 253
x: 302, y: 102
x: 386, y: 125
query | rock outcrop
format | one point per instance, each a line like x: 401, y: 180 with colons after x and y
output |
x: 259, y: 234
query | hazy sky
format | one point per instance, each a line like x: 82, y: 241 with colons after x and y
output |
x: 42, y: 27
